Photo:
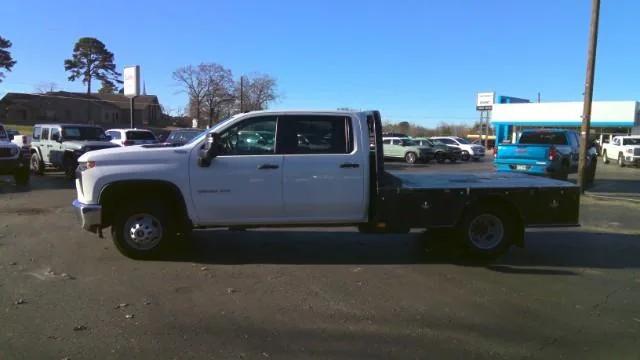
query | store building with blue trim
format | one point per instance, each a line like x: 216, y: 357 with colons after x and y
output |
x: 607, y: 117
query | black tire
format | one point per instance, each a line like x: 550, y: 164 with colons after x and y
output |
x: 465, y: 156
x: 156, y: 229
x: 563, y: 174
x: 440, y: 157
x: 411, y: 157
x: 620, y: 160
x: 69, y: 166
x: 36, y: 165
x: 500, y: 232
x: 605, y: 159
x: 453, y: 160
x: 22, y: 176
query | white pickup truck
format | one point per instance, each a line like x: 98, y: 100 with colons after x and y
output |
x: 624, y: 149
x: 286, y: 168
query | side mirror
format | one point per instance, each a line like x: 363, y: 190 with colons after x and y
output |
x: 209, y: 151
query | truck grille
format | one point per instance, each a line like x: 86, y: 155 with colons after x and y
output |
x: 636, y: 152
x: 5, y: 152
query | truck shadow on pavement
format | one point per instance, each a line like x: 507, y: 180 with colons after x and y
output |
x: 545, y: 251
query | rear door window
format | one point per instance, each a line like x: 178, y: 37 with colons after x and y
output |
x: 315, y: 134
x: 544, y: 137
x: 140, y: 135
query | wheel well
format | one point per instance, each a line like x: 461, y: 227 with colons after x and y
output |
x: 118, y: 194
x: 498, y: 202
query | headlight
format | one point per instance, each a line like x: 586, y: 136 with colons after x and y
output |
x: 629, y: 151
x: 86, y: 165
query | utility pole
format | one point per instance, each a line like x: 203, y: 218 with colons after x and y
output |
x: 588, y: 93
x: 538, y: 97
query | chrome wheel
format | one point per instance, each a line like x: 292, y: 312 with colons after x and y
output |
x: 486, y: 231
x: 143, y: 231
x: 410, y: 158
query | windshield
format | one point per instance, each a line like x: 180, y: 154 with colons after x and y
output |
x: 140, y: 135
x: 543, y: 137
x: 83, y: 133
x: 462, y: 141
x: 204, y: 133
x: 182, y: 136
x: 631, y: 141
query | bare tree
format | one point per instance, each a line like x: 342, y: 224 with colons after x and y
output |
x: 194, y: 85
x: 219, y: 89
x: 258, y: 91
x: 45, y: 87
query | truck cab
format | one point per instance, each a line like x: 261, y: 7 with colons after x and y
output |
x: 333, y: 174
x: 625, y: 150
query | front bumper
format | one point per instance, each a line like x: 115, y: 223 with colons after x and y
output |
x: 631, y: 160
x: 90, y: 216
x: 9, y: 166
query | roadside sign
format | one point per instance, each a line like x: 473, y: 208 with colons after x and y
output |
x: 131, y: 76
x: 485, y: 100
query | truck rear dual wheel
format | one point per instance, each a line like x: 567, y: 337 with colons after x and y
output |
x: 143, y: 231
x: 487, y: 233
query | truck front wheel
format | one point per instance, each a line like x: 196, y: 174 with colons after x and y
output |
x: 36, y: 164
x: 605, y: 159
x: 488, y: 232
x: 143, y: 231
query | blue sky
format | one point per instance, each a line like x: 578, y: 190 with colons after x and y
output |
x: 420, y: 61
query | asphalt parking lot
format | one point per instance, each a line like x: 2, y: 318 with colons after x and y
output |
x: 319, y: 293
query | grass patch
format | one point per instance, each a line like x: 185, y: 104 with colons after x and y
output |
x: 24, y: 129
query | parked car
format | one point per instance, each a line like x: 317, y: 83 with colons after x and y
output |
x: 181, y: 136
x: 549, y: 152
x: 14, y: 159
x: 127, y: 137
x: 407, y: 149
x: 441, y: 152
x: 469, y: 151
x: 60, y: 145
x: 624, y: 149
x: 212, y: 183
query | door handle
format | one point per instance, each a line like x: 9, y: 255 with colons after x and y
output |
x: 268, y: 167
x: 349, y: 165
